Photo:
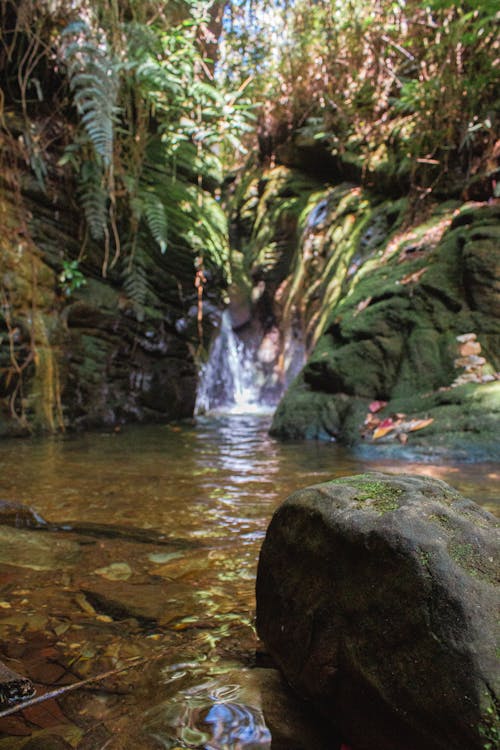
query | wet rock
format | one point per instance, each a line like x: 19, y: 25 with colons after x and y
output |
x: 21, y: 516
x: 149, y: 603
x: 377, y: 595
x: 103, y: 358
x: 24, y: 549
x: 125, y: 533
x: 24, y: 517
x: 121, y: 600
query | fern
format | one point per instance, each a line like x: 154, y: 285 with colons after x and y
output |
x: 93, y: 198
x: 156, y: 219
x: 93, y: 77
x: 135, y: 282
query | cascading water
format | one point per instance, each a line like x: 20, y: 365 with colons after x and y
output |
x: 242, y: 373
x: 229, y: 381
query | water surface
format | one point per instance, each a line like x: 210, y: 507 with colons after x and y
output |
x: 77, y: 603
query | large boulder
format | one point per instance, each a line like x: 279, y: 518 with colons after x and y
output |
x: 378, y: 597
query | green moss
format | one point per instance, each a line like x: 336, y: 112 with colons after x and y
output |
x: 441, y: 520
x: 425, y: 558
x: 379, y: 496
x: 489, y: 729
x: 471, y: 560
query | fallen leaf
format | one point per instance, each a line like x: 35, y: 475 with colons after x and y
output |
x: 377, y: 406
x: 385, y: 427
x: 418, y: 424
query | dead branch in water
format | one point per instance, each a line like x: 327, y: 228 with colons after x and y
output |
x: 135, y: 662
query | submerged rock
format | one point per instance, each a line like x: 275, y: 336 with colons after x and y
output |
x: 378, y: 596
x: 20, y: 516
x: 24, y: 549
x: 24, y: 517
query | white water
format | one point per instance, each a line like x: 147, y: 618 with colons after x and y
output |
x: 234, y: 380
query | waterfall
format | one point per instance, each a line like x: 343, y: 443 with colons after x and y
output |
x: 228, y: 381
x: 240, y: 374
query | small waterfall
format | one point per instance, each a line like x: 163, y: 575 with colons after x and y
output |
x: 227, y: 381
x: 239, y: 376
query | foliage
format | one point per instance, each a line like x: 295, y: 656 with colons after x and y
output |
x: 144, y: 128
x: 71, y: 278
x: 149, y: 132
x: 406, y: 85
x: 93, y: 82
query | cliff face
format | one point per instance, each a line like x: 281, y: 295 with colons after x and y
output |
x: 399, y: 318
x: 78, y: 349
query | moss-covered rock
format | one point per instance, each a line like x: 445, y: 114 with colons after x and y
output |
x: 378, y: 597
x: 386, y: 310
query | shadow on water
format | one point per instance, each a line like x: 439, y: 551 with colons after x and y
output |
x: 73, y: 604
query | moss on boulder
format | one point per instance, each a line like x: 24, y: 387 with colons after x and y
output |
x: 378, y: 597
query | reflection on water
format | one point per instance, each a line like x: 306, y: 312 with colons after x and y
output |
x: 209, y: 716
x: 76, y: 604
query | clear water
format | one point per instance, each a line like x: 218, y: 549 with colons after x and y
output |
x: 73, y: 604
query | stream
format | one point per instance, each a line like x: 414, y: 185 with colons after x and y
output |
x: 153, y: 554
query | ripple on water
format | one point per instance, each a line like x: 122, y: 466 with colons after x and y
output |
x: 211, y: 717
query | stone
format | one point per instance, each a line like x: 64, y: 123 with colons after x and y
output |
x: 148, y: 603
x: 21, y: 516
x: 41, y: 551
x: 377, y: 596
x: 387, y: 321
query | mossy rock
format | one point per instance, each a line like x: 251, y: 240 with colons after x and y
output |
x: 378, y: 596
x: 391, y: 335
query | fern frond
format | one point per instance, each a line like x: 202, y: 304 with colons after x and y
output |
x: 93, y: 77
x: 135, y: 282
x: 156, y: 218
x: 93, y: 198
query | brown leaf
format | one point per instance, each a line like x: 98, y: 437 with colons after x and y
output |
x: 377, y: 406
x: 385, y: 427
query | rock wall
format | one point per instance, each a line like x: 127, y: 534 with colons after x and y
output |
x: 79, y: 349
x: 399, y: 317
